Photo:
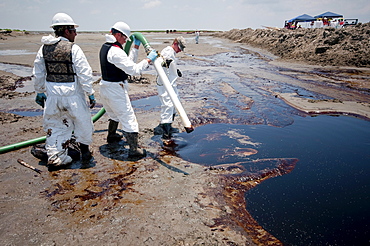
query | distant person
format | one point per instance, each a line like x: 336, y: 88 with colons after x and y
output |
x: 295, y: 25
x: 325, y: 22
x: 341, y: 22
x: 170, y: 67
x: 62, y: 79
x: 197, y: 37
x: 115, y: 68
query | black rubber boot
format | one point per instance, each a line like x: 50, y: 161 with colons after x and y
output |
x: 113, y: 137
x: 174, y: 130
x: 132, y: 139
x: 167, y: 134
x: 158, y: 130
x: 85, y: 152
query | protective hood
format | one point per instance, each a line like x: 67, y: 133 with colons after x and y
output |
x: 110, y: 38
x: 47, y: 40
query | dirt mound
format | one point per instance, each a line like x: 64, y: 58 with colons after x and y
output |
x: 349, y: 46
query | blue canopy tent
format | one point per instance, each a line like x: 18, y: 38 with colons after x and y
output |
x: 329, y: 15
x: 302, y: 18
x: 327, y: 18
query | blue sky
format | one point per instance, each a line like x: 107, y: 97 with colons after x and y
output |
x: 223, y: 15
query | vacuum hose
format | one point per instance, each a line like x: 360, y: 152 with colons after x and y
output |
x: 166, y: 83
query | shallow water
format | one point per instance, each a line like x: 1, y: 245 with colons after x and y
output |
x: 149, y: 103
x: 19, y: 70
x: 15, y: 52
x: 324, y: 200
x: 26, y: 112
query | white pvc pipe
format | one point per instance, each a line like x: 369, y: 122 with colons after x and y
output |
x: 175, y: 100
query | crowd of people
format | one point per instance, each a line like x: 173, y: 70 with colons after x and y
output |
x: 323, y: 22
x: 292, y: 25
x: 63, y: 85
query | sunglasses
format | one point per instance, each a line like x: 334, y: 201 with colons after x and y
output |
x: 181, y: 47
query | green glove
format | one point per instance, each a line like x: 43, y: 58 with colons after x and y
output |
x: 40, y: 99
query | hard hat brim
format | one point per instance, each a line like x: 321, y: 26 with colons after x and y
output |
x: 128, y: 38
x: 64, y: 24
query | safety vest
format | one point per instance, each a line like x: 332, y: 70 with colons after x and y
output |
x: 109, y: 71
x: 58, y: 62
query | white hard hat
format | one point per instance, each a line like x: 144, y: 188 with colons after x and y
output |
x: 181, y: 42
x: 62, y: 19
x: 123, y: 28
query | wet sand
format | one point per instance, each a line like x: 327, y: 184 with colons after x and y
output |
x: 159, y: 200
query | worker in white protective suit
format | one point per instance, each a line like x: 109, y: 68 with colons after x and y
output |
x: 197, y: 36
x: 63, y: 79
x: 115, y: 68
x: 167, y: 108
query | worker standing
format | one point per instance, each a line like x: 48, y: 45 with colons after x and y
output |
x: 170, y: 67
x: 197, y: 36
x: 115, y: 67
x: 63, y: 77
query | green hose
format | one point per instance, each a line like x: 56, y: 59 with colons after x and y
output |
x: 97, y: 116
x: 142, y: 39
x: 20, y: 145
x: 27, y: 143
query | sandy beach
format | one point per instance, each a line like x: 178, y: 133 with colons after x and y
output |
x: 161, y: 199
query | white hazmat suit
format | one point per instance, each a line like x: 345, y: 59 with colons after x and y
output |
x: 167, y: 107
x: 66, y: 109
x: 114, y: 95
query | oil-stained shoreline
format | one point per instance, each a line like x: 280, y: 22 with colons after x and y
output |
x: 144, y: 202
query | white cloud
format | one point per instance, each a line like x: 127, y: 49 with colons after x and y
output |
x: 151, y: 4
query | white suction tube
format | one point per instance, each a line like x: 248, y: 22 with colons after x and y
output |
x: 175, y: 100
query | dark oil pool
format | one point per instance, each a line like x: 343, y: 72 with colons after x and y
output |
x: 324, y: 200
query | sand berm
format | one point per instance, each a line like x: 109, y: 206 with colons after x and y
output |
x: 349, y: 46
